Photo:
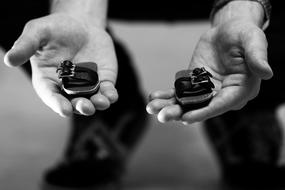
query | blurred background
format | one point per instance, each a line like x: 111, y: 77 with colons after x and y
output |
x: 171, y: 156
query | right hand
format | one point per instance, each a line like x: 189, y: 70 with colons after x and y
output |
x: 235, y: 53
x: 49, y: 40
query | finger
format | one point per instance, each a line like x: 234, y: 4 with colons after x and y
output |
x: 225, y: 100
x: 160, y: 94
x: 27, y: 44
x: 255, y: 46
x: 83, y: 106
x: 107, y: 72
x: 108, y: 89
x: 106, y: 60
x: 156, y: 105
x: 170, y: 113
x: 49, y: 93
x: 100, y: 102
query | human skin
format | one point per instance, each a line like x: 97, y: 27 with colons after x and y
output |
x: 74, y: 30
x: 234, y: 51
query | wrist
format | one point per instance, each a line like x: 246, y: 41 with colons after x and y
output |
x: 91, y: 12
x: 249, y: 11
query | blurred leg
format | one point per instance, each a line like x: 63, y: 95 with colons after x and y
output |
x: 99, y: 145
x: 248, y: 142
x: 247, y: 145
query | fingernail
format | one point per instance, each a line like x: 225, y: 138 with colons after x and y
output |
x: 149, y: 110
x: 185, y: 123
x: 113, y: 97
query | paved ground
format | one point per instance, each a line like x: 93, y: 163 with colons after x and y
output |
x: 170, y: 157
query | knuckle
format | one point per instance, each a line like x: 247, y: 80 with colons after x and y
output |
x: 37, y: 26
x: 30, y: 24
x: 34, y: 23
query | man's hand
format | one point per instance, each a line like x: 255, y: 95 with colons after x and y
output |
x: 49, y: 40
x: 235, y: 52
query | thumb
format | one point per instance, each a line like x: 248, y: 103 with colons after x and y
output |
x: 26, y: 45
x: 255, y: 46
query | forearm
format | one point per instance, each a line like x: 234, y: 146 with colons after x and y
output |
x: 250, y: 11
x: 91, y: 11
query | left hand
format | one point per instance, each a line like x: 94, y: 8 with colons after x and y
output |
x: 47, y: 41
x: 235, y: 53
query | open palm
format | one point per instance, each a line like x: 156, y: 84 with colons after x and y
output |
x: 235, y: 54
x: 48, y: 41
